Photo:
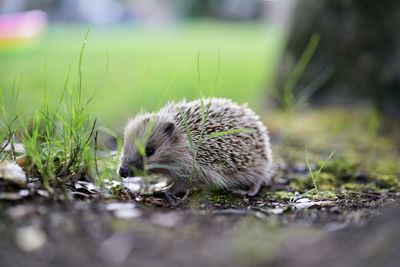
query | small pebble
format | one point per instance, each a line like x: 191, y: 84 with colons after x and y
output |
x: 30, y: 238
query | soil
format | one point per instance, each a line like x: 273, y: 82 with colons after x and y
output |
x: 244, y: 232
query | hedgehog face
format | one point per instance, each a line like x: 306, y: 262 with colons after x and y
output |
x: 147, y: 145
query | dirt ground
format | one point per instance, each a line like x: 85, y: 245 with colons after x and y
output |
x: 243, y: 233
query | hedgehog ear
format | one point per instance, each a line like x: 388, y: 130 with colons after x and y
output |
x: 169, y: 128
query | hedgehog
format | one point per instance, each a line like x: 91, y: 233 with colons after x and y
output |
x: 210, y: 141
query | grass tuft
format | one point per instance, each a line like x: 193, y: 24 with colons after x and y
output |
x: 58, y: 139
x: 315, y: 175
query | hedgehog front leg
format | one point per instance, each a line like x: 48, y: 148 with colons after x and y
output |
x: 254, y: 188
x: 178, y: 186
x: 259, y: 177
x: 252, y: 191
x: 175, y: 200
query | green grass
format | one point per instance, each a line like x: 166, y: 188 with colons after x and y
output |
x: 315, y: 176
x: 128, y: 68
x: 58, y: 138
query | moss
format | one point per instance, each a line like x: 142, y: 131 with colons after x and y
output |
x: 390, y: 182
x: 359, y: 187
x: 301, y: 184
x: 341, y: 167
x: 280, y: 195
x: 325, y: 182
x: 202, y: 195
x: 387, y: 165
x: 325, y: 195
x: 217, y: 196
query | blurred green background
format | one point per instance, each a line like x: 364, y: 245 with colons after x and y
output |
x: 130, y: 68
x: 142, y: 53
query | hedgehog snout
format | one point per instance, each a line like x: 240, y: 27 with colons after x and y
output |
x: 124, y: 171
x: 128, y: 169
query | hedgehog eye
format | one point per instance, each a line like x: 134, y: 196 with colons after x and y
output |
x: 150, y: 151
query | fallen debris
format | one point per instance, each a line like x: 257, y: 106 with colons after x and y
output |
x: 10, y: 172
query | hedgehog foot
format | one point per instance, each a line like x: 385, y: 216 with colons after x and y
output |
x: 251, y: 192
x: 254, y: 188
x: 174, y: 200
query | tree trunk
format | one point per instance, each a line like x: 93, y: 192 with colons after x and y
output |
x: 358, y: 43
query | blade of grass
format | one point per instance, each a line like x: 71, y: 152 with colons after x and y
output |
x: 80, y: 63
x: 300, y: 67
x: 188, y: 132
x: 232, y: 131
x: 324, y: 163
x: 314, y: 179
x: 316, y: 176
